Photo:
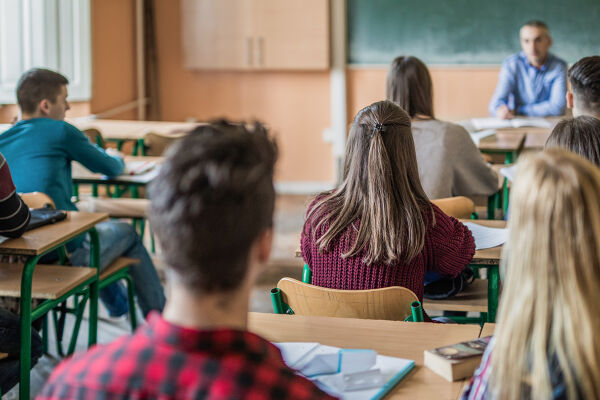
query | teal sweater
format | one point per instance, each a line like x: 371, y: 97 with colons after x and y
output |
x: 39, y: 152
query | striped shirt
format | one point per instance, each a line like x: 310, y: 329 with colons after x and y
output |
x: 14, y: 214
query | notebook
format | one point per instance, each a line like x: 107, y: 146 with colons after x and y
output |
x: 497, y: 123
x: 349, y: 374
x: 44, y: 216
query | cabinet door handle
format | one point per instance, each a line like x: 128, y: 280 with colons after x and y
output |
x: 259, y: 51
x: 249, y: 51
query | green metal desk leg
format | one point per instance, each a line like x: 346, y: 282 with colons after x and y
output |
x: 505, y: 196
x: 94, y: 263
x: 491, y: 206
x: 493, y: 292
x: 25, y: 354
x: 510, y: 157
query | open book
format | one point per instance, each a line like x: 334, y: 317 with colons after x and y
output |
x: 350, y: 374
x: 486, y: 237
x: 497, y: 123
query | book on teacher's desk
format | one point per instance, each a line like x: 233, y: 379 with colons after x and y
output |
x: 457, y: 361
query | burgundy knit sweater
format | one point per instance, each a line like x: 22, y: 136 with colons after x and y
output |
x: 449, y: 247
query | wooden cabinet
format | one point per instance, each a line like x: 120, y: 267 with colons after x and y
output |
x: 256, y: 34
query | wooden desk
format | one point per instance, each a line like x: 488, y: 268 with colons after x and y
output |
x: 487, y: 330
x: 82, y: 175
x: 34, y: 244
x: 393, y: 338
x: 507, y: 142
x: 112, y: 129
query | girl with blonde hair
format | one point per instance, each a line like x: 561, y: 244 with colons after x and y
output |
x: 545, y: 344
x: 378, y: 228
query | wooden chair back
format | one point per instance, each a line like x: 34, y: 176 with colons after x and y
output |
x: 156, y: 144
x: 95, y: 137
x: 37, y: 200
x: 391, y: 303
x: 457, y: 207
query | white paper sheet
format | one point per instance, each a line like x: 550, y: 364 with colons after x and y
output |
x: 478, y: 136
x: 359, y: 368
x: 485, y: 237
x: 138, y: 167
x: 497, y: 123
x: 3, y: 239
x: 509, y: 172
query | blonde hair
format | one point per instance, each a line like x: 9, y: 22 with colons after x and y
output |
x: 380, y: 188
x: 549, y: 308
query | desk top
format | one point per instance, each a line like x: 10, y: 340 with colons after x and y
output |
x: 132, y: 130
x: 393, y: 338
x: 502, y: 142
x: 487, y: 330
x: 487, y: 256
x: 80, y: 174
x: 40, y: 240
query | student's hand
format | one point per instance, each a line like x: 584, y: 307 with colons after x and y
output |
x: 114, y: 152
x: 503, y: 112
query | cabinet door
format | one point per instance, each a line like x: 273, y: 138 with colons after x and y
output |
x: 291, y: 34
x: 217, y: 34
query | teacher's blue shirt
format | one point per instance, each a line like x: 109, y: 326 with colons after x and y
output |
x: 39, y: 152
x: 531, y: 91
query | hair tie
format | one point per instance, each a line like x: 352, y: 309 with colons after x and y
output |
x: 378, y: 127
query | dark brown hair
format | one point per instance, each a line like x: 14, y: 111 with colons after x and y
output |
x: 584, y: 76
x: 212, y: 199
x: 36, y: 85
x: 580, y: 135
x: 409, y: 85
x: 380, y: 189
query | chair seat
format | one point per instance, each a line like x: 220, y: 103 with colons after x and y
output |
x: 49, y: 281
x: 117, y: 208
x: 117, y: 265
x: 474, y: 298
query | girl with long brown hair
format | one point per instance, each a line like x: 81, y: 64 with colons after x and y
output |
x: 449, y: 162
x: 378, y: 228
x: 546, y: 339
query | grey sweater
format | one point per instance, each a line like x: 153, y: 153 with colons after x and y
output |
x: 449, y: 162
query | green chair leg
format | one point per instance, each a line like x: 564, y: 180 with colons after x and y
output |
x: 417, y: 311
x: 131, y: 298
x: 279, y: 307
x: 306, y: 274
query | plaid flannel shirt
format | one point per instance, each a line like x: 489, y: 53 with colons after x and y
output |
x: 164, y: 361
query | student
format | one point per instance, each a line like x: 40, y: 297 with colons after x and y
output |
x: 583, y: 95
x: 378, y: 228
x: 580, y: 135
x: 545, y: 345
x: 40, y: 148
x: 532, y: 82
x: 449, y: 162
x: 212, y: 209
x: 14, y: 216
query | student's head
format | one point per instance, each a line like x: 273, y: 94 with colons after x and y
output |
x: 212, y: 206
x: 535, y: 42
x: 409, y: 85
x: 583, y: 95
x: 580, y: 135
x: 380, y: 186
x: 42, y: 93
x: 549, y: 307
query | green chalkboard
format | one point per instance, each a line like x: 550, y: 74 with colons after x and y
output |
x: 466, y: 31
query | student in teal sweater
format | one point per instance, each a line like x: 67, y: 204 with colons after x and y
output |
x: 39, y: 148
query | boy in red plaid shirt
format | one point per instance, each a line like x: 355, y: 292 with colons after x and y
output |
x: 212, y: 211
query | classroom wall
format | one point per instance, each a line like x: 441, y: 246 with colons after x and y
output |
x: 294, y: 104
x: 458, y: 93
